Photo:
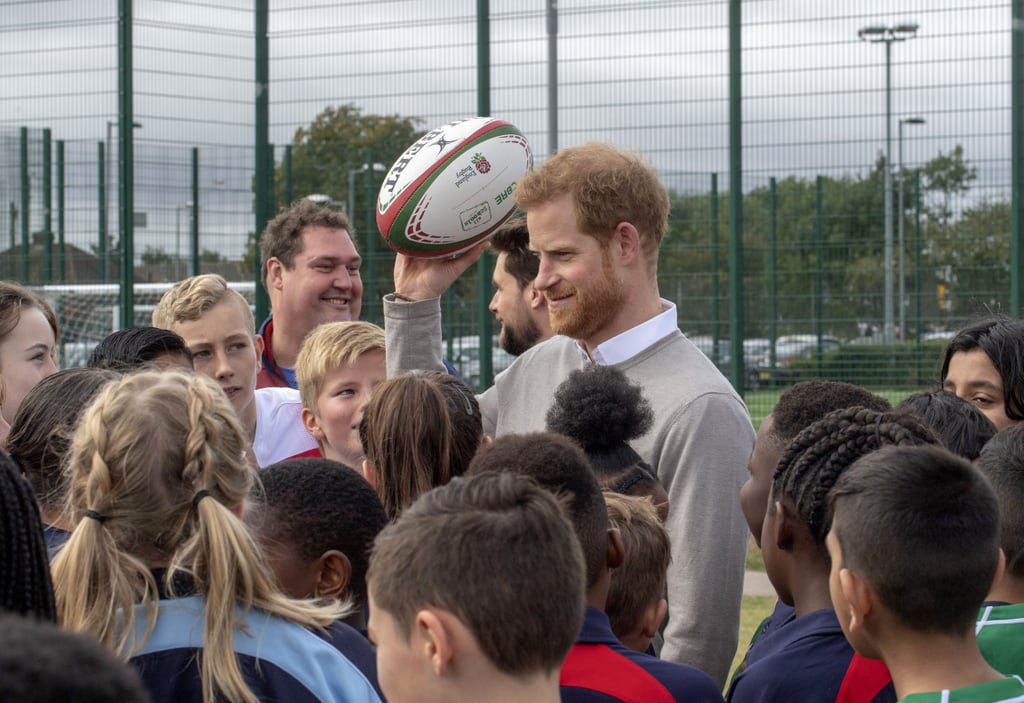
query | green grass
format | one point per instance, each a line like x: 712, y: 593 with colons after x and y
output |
x: 754, y: 610
x: 755, y: 561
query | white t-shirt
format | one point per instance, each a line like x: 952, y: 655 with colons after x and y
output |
x: 280, y: 433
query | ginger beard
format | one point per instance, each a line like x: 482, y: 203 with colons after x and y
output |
x: 595, y: 302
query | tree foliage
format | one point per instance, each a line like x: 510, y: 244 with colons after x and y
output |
x: 963, y: 248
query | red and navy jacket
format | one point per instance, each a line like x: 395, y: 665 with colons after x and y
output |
x: 808, y: 660
x: 600, y: 669
x: 270, y: 375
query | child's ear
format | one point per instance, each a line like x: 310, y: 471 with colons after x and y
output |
x: 785, y: 526
x: 860, y: 599
x: 1000, y: 570
x: 485, y: 441
x: 437, y: 638
x: 334, y: 574
x: 312, y: 425
x: 257, y: 342
x: 616, y: 552
x: 652, y: 618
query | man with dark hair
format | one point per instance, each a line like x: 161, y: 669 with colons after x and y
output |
x: 599, y: 668
x: 310, y: 269
x: 596, y: 216
x: 459, y: 608
x: 521, y: 310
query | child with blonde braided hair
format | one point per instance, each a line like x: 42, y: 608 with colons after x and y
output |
x: 161, y: 569
x: 796, y: 559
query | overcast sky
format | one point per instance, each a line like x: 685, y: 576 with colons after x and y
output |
x: 647, y: 74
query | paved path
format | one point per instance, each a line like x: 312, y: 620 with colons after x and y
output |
x: 756, y: 583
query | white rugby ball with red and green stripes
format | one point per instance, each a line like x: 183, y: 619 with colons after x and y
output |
x: 452, y: 188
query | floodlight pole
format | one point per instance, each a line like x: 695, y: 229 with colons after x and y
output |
x: 903, y: 310
x: 888, y: 35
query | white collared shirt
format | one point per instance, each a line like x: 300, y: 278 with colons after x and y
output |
x: 628, y: 344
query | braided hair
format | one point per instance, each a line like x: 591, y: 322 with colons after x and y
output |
x: 25, y: 585
x: 817, y: 456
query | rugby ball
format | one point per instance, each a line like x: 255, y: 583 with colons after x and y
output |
x: 452, y: 188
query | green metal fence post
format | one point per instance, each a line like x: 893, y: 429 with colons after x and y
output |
x: 289, y: 178
x: 370, y: 266
x: 23, y: 159
x: 264, y: 156
x: 1017, y: 157
x: 194, y: 231
x: 773, y: 294
x: 47, y: 274
x: 101, y: 210
x: 715, y: 322
x: 483, y: 265
x: 819, y: 249
x: 61, y: 263
x: 918, y: 246
x: 736, y: 308
x: 126, y: 161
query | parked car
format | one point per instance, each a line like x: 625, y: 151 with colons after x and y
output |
x: 466, y: 358
x: 788, y: 350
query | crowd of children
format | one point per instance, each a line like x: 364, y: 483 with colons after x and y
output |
x: 360, y: 538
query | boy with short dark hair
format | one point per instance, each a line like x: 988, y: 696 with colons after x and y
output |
x: 316, y: 522
x: 636, y: 603
x: 1000, y: 627
x: 914, y: 543
x: 599, y: 668
x: 460, y: 610
x: 961, y: 427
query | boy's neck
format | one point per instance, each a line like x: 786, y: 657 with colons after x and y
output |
x: 810, y: 588
x: 1010, y: 589
x: 501, y: 688
x: 925, y: 662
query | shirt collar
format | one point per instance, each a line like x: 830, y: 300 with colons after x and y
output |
x: 634, y: 340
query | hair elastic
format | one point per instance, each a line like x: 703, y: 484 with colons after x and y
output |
x: 93, y: 515
x: 200, y: 494
x: 878, y: 429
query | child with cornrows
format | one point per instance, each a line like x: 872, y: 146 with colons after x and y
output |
x: 160, y: 568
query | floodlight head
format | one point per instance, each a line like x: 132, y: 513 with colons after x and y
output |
x: 873, y: 32
x: 906, y: 30
x: 320, y: 199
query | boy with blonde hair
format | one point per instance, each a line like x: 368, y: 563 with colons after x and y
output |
x: 218, y: 328
x: 636, y: 603
x: 339, y: 365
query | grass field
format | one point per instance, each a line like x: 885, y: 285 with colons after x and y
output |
x: 754, y: 610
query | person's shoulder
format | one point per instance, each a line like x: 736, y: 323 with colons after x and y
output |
x: 611, y: 671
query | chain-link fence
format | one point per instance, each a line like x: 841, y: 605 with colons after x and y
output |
x: 846, y: 108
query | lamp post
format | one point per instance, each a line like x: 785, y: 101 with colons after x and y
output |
x: 888, y: 35
x: 899, y: 140
x: 177, y: 237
